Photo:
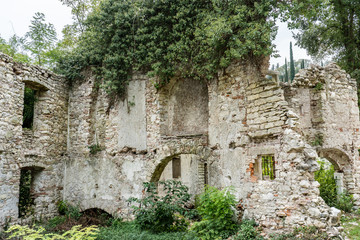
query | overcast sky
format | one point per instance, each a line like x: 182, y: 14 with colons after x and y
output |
x: 15, y: 17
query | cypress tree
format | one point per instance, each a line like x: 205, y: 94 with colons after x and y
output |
x: 302, y: 64
x: 286, y: 72
x: 292, y: 64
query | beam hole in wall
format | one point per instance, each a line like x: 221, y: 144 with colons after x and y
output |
x: 27, y: 192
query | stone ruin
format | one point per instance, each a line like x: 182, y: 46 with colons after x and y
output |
x: 223, y: 133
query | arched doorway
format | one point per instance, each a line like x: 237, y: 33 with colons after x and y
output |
x: 190, y: 169
x: 335, y: 175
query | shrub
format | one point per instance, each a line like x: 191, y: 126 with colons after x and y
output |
x: 70, y: 211
x: 27, y: 233
x: 345, y: 202
x: 247, y: 231
x: 163, y: 213
x: 217, y: 211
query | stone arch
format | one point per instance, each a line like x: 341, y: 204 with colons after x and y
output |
x: 343, y: 167
x: 174, y: 148
x: 160, y: 167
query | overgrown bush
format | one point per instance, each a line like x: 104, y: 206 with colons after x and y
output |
x: 166, y: 213
x: 76, y: 233
x: 345, y: 202
x: 247, y: 231
x: 217, y: 211
x: 70, y: 211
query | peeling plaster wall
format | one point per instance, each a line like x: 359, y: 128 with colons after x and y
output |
x: 184, y: 105
x: 42, y: 147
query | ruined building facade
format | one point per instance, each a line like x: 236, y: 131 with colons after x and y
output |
x: 241, y: 129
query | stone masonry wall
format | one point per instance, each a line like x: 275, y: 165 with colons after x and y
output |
x: 42, y: 148
x: 250, y: 118
x: 325, y: 99
x: 97, y: 156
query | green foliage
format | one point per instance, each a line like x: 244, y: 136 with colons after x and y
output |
x: 247, y: 231
x: 159, y: 213
x: 345, y: 202
x: 12, y: 48
x: 40, y: 41
x: 325, y: 176
x: 132, y: 231
x: 318, y: 138
x: 286, y: 72
x: 188, y: 37
x: 75, y: 233
x: 54, y: 222
x: 319, y: 86
x: 26, y: 203
x: 292, y: 64
x: 69, y: 210
x: 327, y: 28
x: 217, y: 211
x: 95, y: 148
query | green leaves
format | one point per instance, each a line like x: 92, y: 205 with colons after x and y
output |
x: 188, y: 38
x: 41, y: 39
x: 216, y: 209
x: 163, y: 212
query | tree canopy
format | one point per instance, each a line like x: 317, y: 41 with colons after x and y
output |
x: 328, y: 28
x: 167, y: 37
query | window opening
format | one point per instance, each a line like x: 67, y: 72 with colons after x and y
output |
x: 205, y: 174
x: 29, y: 103
x: 26, y: 202
x: 176, y: 168
x: 268, y: 167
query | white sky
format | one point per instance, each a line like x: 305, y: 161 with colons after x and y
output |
x: 15, y: 17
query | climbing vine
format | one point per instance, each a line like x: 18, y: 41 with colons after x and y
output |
x: 164, y: 38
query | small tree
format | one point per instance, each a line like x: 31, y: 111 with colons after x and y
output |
x: 217, y: 211
x: 40, y: 40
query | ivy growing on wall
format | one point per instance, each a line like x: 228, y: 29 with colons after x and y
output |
x: 192, y: 38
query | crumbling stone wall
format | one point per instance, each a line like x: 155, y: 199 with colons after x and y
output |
x: 100, y: 154
x: 325, y: 99
x: 250, y: 118
x: 42, y: 148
